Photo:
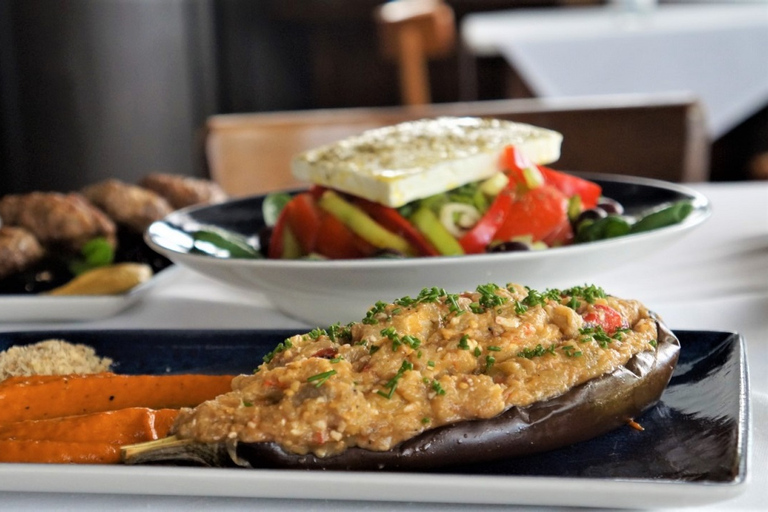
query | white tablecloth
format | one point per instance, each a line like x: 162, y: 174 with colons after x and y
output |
x: 714, y: 279
x: 715, y: 51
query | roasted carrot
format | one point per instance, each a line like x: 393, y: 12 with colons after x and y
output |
x: 91, y: 438
x: 40, y: 397
x: 51, y: 452
x: 117, y: 427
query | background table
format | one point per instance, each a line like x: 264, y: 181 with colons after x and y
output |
x: 714, y: 279
x: 716, y: 51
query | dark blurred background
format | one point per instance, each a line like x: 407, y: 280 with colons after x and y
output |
x: 91, y: 89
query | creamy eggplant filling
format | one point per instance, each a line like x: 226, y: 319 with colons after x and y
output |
x: 419, y: 363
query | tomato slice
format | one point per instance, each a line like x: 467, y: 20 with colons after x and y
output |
x: 606, y: 317
x: 539, y: 212
x: 561, y: 235
x: 303, y: 217
x: 571, y: 185
x: 390, y: 219
x: 275, y: 250
x: 337, y: 241
x: 521, y: 169
x: 477, y: 239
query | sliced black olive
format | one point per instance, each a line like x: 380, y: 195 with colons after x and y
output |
x: 388, y: 254
x: 510, y: 246
x: 265, y: 237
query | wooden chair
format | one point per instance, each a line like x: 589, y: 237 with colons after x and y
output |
x: 411, y: 32
x: 660, y: 137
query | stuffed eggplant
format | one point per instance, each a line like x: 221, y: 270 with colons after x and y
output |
x: 436, y: 380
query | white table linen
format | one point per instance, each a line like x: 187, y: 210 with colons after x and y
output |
x: 714, y: 279
x: 715, y: 51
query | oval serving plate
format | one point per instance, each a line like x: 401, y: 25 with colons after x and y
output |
x: 315, y: 291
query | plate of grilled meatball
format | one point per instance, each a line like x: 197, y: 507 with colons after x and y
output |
x: 81, y: 254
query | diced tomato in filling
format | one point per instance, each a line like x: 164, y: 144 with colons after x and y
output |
x: 326, y: 353
x: 606, y: 317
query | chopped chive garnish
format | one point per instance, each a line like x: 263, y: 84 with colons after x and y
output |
x: 453, y: 301
x: 437, y: 388
x: 538, y: 351
x: 463, y: 345
x: 391, y: 385
x: 320, y: 379
x: 281, y: 347
x: 373, y: 313
x: 570, y: 351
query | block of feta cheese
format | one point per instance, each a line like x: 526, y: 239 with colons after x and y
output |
x: 397, y: 164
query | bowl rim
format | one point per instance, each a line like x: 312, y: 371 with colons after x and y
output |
x: 702, y: 211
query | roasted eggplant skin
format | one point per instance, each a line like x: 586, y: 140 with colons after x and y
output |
x: 585, y: 412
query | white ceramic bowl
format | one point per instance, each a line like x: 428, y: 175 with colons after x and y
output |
x: 322, y: 292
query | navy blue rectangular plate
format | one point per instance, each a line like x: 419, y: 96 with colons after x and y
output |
x: 697, y: 433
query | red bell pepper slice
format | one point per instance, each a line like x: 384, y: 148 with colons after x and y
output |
x: 477, y: 239
x: 303, y: 217
x: 606, y: 317
x: 539, y: 212
x: 571, y: 185
x: 337, y: 241
x: 390, y: 219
